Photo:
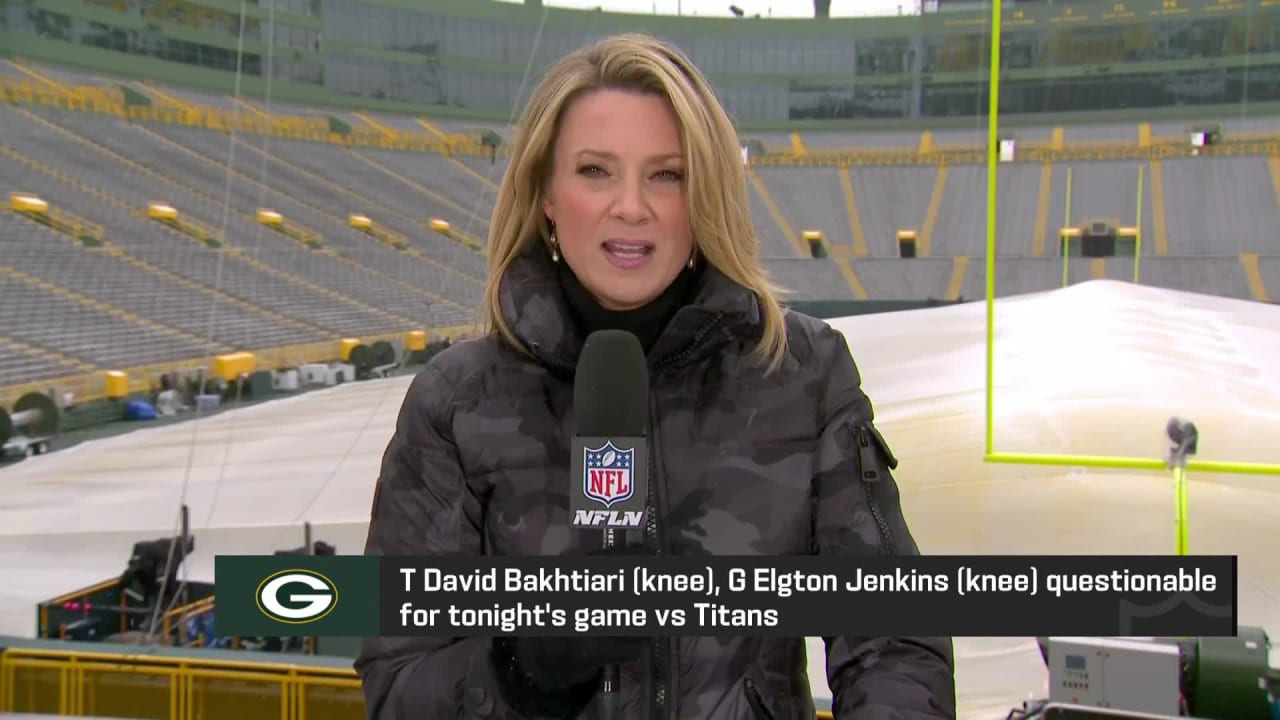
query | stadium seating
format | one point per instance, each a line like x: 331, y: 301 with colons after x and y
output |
x: 812, y: 196
x: 811, y: 279
x: 890, y: 199
x: 130, y: 173
x: 1220, y: 205
x: 72, y: 323
x: 222, y: 280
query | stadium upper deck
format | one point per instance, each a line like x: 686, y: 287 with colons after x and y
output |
x: 468, y: 58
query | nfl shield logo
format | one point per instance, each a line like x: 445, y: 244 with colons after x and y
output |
x: 606, y: 474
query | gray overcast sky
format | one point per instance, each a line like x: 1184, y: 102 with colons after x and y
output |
x: 766, y: 8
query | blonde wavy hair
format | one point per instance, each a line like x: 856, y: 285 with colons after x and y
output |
x: 716, y: 190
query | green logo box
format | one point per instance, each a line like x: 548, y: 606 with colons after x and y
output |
x: 296, y: 595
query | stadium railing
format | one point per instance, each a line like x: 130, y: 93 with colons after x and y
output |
x: 1244, y: 145
x: 24, y: 92
x: 92, y: 99
x: 87, y: 387
x: 180, y: 686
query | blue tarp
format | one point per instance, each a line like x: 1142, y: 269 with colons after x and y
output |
x: 139, y: 410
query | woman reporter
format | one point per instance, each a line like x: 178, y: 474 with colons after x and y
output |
x: 625, y: 206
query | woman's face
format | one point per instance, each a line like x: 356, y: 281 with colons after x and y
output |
x: 617, y: 196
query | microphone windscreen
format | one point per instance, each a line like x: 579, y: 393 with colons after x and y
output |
x: 611, y: 386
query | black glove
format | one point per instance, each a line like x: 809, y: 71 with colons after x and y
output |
x: 558, y: 676
x: 557, y: 664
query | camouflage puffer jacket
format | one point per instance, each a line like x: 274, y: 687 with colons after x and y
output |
x: 746, y: 464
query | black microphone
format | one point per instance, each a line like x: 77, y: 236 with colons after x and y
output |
x: 609, y: 464
x: 609, y: 479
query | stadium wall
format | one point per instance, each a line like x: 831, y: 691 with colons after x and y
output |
x: 460, y: 58
x: 162, y: 72
x: 828, y: 309
x: 113, y: 680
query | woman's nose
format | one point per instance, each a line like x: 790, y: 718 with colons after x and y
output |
x: 631, y: 203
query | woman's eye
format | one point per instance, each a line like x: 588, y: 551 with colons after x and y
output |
x: 597, y: 171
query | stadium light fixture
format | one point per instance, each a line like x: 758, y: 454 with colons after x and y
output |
x: 991, y: 455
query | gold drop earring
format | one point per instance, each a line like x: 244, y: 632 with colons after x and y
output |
x: 555, y: 248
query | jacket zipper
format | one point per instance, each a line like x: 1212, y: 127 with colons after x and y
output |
x: 693, y: 344
x: 661, y: 646
x: 663, y: 650
x: 756, y: 702
x: 868, y: 470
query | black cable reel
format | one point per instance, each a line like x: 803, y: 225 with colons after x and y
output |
x: 35, y: 418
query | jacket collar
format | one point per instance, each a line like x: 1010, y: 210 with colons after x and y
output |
x: 534, y: 305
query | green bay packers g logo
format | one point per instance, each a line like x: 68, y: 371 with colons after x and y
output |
x: 296, y: 596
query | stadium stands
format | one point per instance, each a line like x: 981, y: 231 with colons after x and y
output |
x: 150, y: 170
x: 891, y: 199
x: 221, y: 280
x: 1223, y: 276
x: 1107, y: 190
x: 811, y: 279
x: 77, y: 325
x: 1269, y: 277
x: 813, y: 200
x: 1220, y: 205
x: 345, y: 181
x: 920, y: 278
x: 462, y: 190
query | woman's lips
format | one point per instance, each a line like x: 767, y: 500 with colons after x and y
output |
x: 628, y: 254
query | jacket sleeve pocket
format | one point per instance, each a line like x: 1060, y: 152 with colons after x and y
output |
x: 759, y: 711
x: 858, y: 511
x: 875, y: 461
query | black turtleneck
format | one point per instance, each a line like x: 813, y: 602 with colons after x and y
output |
x: 646, y: 323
